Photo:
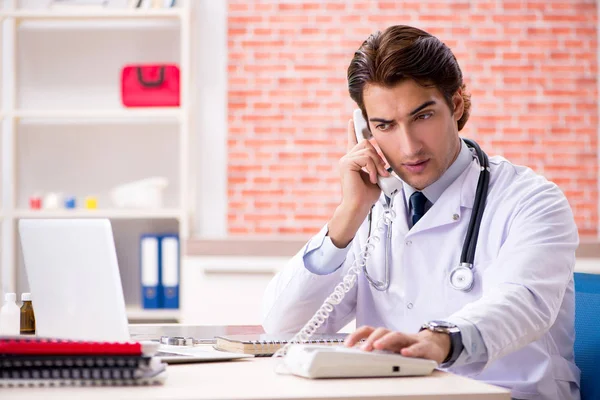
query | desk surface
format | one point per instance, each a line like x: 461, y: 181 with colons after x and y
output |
x: 256, y: 379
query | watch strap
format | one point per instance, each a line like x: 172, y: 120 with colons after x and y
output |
x: 456, y: 348
x: 456, y: 345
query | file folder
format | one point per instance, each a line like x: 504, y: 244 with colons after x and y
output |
x: 169, y: 262
x: 150, y: 271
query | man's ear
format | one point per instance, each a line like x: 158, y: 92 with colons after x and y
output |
x: 459, y: 105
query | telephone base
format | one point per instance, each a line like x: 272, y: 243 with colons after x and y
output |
x: 322, y: 361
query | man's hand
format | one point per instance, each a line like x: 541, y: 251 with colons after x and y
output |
x: 359, y: 188
x: 425, y: 344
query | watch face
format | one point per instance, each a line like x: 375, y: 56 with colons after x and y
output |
x: 441, y: 324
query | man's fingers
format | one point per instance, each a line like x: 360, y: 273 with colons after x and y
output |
x: 377, y: 333
x: 356, y: 145
x: 374, y: 154
x: 362, y: 157
x: 377, y: 160
x: 419, y: 350
x: 361, y: 333
x: 394, y: 341
x: 372, y: 170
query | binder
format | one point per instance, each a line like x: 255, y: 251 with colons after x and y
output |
x: 150, y: 271
x: 169, y: 262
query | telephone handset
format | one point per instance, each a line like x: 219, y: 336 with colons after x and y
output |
x: 388, y: 184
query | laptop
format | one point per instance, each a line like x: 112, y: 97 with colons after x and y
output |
x: 75, y: 285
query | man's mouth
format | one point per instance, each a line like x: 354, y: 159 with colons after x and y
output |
x: 416, y: 167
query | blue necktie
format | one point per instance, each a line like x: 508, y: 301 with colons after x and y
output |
x: 417, y: 202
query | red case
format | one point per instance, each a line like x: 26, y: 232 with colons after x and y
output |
x: 150, y: 86
x: 41, y: 346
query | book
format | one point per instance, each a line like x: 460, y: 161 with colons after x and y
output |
x: 266, y: 344
x: 40, y: 346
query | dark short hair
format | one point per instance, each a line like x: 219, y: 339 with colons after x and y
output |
x: 402, y: 52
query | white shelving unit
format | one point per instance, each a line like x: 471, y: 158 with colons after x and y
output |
x: 30, y: 115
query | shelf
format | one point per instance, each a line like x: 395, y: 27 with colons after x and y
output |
x: 132, y: 114
x: 98, y: 24
x: 140, y: 314
x: 97, y: 14
x: 114, y: 213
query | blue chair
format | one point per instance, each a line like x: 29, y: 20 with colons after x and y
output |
x: 587, y: 333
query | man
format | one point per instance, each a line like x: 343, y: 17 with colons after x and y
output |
x: 514, y: 328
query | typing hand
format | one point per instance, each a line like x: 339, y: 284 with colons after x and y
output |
x: 425, y: 344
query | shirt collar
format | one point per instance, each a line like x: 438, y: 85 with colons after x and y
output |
x: 435, y: 190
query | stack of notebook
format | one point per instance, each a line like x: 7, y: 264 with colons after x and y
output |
x: 49, y: 362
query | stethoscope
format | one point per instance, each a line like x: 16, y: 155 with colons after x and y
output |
x: 462, y: 277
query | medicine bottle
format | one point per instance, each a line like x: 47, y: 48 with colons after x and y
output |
x: 27, y: 316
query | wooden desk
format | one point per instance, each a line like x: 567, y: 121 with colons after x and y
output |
x: 255, y: 379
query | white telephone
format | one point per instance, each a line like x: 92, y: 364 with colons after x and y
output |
x: 323, y: 361
x: 389, y: 184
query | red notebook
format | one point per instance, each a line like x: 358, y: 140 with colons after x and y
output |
x: 43, y: 346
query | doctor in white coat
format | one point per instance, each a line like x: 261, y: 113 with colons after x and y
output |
x: 515, y: 327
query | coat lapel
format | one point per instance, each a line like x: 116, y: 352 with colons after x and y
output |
x: 447, y: 210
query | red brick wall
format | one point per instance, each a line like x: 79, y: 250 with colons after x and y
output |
x: 531, y: 67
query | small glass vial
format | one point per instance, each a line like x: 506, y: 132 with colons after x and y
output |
x: 27, y: 316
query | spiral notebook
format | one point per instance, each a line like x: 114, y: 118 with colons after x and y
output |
x: 11, y: 361
x: 266, y: 345
x: 27, y: 362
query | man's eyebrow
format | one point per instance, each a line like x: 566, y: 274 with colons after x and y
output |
x: 413, y: 112
x: 383, y: 121
x: 422, y: 106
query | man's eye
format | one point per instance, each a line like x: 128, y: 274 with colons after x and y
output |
x: 425, y: 116
x: 383, y: 127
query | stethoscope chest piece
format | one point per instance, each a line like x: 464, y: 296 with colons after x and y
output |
x: 461, y: 278
x: 177, y: 340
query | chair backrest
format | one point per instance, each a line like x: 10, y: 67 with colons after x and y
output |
x: 587, y: 333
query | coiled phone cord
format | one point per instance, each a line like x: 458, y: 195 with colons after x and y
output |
x: 344, y: 286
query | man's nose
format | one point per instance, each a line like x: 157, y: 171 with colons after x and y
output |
x: 411, y: 146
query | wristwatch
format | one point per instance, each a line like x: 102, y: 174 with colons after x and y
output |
x: 456, y: 345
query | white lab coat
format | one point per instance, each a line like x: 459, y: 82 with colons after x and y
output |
x: 522, y: 301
